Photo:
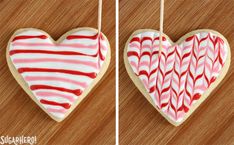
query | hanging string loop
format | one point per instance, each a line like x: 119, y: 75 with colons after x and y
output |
x: 99, y: 16
x: 161, y: 25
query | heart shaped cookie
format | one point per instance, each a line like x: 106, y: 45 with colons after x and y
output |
x: 57, y: 75
x: 182, y: 77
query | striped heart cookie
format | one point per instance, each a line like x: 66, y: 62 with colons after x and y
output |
x: 57, y: 75
x: 182, y: 77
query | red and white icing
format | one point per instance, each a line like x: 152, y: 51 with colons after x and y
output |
x: 178, y: 77
x: 58, y: 74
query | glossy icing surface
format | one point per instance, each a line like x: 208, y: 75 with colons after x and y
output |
x: 177, y: 78
x: 58, y: 73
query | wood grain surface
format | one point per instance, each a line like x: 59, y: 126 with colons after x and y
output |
x: 213, y: 122
x: 93, y: 121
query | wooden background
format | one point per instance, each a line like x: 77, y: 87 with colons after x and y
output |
x: 93, y: 121
x: 213, y: 122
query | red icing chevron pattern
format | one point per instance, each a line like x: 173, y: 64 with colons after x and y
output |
x: 178, y: 77
x: 58, y: 73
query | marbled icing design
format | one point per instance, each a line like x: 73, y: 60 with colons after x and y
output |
x: 178, y: 77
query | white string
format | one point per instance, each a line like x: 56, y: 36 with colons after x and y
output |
x: 99, y: 16
x: 161, y: 25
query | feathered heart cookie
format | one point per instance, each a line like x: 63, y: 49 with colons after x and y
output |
x: 182, y: 77
x: 57, y: 75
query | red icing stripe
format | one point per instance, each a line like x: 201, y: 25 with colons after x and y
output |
x: 29, y: 37
x: 137, y: 39
x: 12, y: 52
x: 163, y: 38
x: 101, y: 56
x: 90, y: 75
x: 93, y: 37
x: 140, y: 40
x: 196, y: 97
x: 134, y: 53
x: 64, y: 105
x: 143, y: 72
x: 71, y: 45
x: 77, y: 92
x: 189, y: 38
x: 146, y: 38
x: 152, y: 89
